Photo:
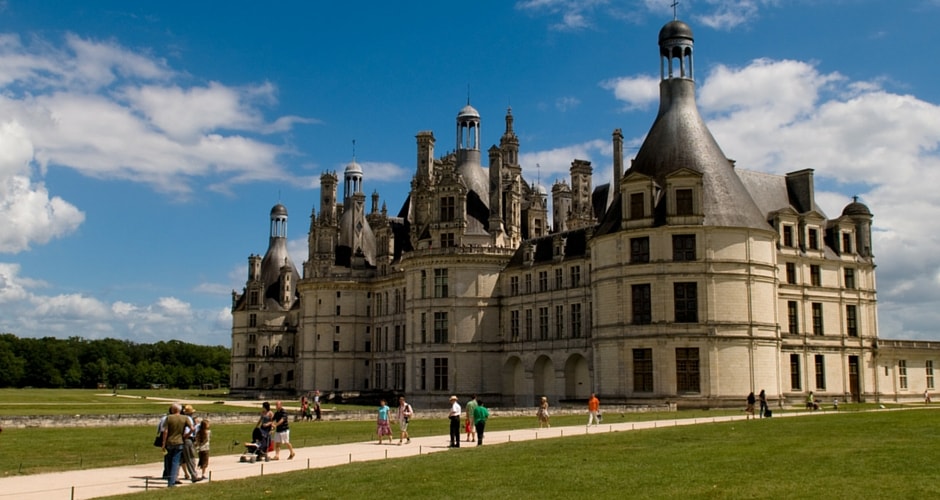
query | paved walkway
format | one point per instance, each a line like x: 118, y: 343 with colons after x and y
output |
x: 95, y: 483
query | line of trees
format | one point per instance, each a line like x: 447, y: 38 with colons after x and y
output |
x: 80, y: 363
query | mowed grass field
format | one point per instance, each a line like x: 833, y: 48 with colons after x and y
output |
x: 877, y: 454
x: 852, y: 454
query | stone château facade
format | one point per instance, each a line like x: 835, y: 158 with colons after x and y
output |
x: 684, y: 280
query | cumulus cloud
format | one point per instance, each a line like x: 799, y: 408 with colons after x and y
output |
x: 781, y: 116
x: 861, y: 139
x: 111, y: 113
x: 80, y: 314
x: 637, y: 92
x: 556, y: 163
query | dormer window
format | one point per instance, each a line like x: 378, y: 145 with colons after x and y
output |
x: 788, y: 236
x: 813, y: 238
x: 846, y: 242
x: 448, y: 209
x: 684, y: 205
x: 636, y: 206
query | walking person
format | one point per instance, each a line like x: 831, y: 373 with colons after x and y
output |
x: 454, y: 417
x: 173, y: 444
x: 471, y: 425
x: 264, y: 425
x: 382, y: 426
x: 282, y: 431
x: 542, y: 413
x: 203, y: 435
x: 762, y: 398
x: 480, y: 414
x: 405, y: 412
x: 594, y: 407
x: 189, y: 449
x: 749, y: 409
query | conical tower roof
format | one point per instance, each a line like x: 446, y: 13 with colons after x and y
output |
x: 679, y: 139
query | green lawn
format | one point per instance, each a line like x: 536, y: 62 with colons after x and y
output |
x: 849, y: 455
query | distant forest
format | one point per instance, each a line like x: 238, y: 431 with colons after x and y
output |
x: 80, y: 363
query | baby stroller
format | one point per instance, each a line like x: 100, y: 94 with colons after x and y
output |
x: 257, y: 449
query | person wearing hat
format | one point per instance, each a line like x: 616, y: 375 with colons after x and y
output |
x: 454, y: 416
x: 189, y: 449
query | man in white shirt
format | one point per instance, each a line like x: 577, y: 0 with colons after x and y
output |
x: 454, y: 416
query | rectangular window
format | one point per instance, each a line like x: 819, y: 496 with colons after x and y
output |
x: 848, y: 275
x: 795, y: 378
x: 543, y: 281
x: 528, y: 324
x: 575, y: 276
x: 637, y: 206
x: 687, y: 370
x: 683, y: 247
x: 543, y: 323
x: 338, y: 309
x: 686, y: 302
x: 642, y: 370
x: 639, y: 250
x: 846, y: 242
x: 902, y: 373
x: 528, y: 283
x: 788, y: 235
x: 424, y: 328
x: 559, y: 278
x: 513, y: 285
x: 851, y: 320
x: 440, y: 283
x: 575, y: 321
x: 514, y: 325
x: 559, y: 322
x: 793, y: 317
x: 423, y: 374
x: 929, y: 367
x: 820, y: 372
x: 335, y: 346
x: 448, y: 209
x: 440, y: 327
x: 252, y: 320
x: 817, y: 318
x: 642, y: 304
x: 815, y: 276
x: 684, y: 204
x: 424, y: 284
x: 791, y: 273
x: 447, y: 240
x: 440, y: 374
x: 814, y: 239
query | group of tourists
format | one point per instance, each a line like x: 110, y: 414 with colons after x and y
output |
x: 183, y: 438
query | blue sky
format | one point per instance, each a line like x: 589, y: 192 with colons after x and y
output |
x: 142, y: 144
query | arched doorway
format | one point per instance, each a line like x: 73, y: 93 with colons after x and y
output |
x: 577, y: 378
x: 543, y: 378
x: 513, y: 382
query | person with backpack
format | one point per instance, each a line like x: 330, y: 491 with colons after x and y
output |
x: 405, y: 412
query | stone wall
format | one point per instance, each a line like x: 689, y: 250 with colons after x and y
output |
x: 140, y: 420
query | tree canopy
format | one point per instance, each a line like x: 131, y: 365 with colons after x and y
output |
x: 76, y: 362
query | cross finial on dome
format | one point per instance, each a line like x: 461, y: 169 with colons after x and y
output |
x: 675, y: 10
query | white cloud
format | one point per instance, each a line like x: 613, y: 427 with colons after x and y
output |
x: 782, y: 116
x: 638, y: 92
x: 556, y: 163
x: 28, y: 313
